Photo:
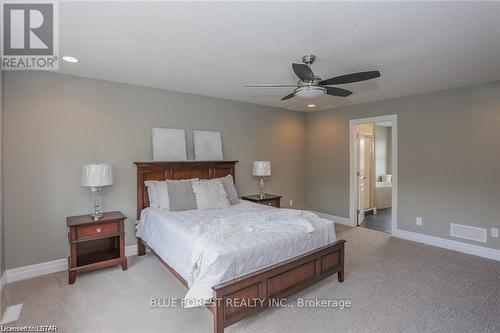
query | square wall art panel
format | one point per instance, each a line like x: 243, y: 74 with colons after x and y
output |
x: 169, y: 144
x: 207, y: 145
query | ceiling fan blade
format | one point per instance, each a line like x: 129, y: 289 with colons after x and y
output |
x: 334, y: 91
x: 351, y: 78
x: 270, y: 85
x: 303, y: 72
x: 288, y: 96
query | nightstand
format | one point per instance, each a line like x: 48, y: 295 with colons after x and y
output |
x: 268, y: 200
x: 95, y: 244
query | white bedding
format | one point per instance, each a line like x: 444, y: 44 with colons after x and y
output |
x: 209, y: 247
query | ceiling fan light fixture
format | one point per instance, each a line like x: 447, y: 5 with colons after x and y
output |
x: 309, y: 91
x: 311, y: 86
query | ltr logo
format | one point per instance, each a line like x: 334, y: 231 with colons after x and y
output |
x: 28, y: 29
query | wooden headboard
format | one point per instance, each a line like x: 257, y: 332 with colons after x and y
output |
x: 177, y: 170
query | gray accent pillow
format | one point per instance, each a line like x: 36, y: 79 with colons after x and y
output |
x: 232, y: 194
x: 181, y: 196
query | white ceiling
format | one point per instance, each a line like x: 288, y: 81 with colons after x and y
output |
x: 214, y: 49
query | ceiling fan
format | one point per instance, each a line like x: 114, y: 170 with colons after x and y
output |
x: 311, y: 86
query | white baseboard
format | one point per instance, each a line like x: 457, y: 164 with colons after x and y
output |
x: 449, y: 244
x: 131, y: 250
x: 59, y: 265
x: 26, y: 272
x: 336, y: 219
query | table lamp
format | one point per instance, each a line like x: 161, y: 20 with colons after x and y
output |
x: 261, y: 169
x: 95, y: 176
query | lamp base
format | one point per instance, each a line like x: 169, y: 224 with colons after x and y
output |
x: 97, y: 217
x: 262, y: 195
x: 95, y: 193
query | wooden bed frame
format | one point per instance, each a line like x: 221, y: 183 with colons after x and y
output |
x: 241, y: 297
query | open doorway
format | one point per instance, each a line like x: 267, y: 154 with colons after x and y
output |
x: 373, y: 173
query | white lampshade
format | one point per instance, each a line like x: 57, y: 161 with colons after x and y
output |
x: 261, y: 168
x: 97, y: 174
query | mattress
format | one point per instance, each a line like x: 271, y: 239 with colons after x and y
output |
x: 173, y: 236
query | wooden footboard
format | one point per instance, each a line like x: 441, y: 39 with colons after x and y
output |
x: 249, y: 294
x: 242, y: 297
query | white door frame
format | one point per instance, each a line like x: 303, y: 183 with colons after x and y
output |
x: 352, y: 165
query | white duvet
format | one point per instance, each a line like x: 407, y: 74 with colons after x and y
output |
x: 210, y: 247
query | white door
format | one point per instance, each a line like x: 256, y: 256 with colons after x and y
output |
x: 361, y: 176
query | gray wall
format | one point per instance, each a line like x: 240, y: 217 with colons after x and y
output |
x: 54, y: 123
x: 382, y: 151
x: 448, y: 151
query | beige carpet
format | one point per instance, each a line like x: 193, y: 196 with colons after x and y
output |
x: 394, y: 286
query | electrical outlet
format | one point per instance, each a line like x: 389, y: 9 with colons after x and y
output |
x: 419, y: 220
x: 291, y: 203
x: 494, y: 232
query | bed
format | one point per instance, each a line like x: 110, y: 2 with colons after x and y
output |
x: 234, y: 272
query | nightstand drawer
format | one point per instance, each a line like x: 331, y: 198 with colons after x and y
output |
x: 96, y: 230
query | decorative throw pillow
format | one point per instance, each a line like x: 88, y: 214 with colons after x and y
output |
x: 163, y: 199
x: 154, y: 200
x: 232, y: 194
x: 210, y: 194
x: 180, y: 194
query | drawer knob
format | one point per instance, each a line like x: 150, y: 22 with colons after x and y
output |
x: 98, y: 229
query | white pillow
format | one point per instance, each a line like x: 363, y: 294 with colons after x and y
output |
x: 210, y: 194
x: 154, y: 200
x: 163, y: 199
